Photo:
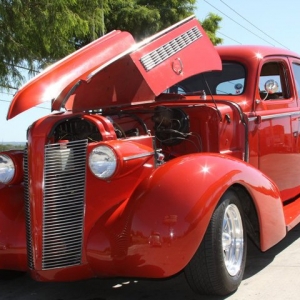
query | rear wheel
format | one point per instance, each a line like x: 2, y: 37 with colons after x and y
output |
x: 218, y: 266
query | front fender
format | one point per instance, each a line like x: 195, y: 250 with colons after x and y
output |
x: 158, y: 230
x: 13, y: 254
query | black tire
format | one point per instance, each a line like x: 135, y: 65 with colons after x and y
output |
x: 214, y: 270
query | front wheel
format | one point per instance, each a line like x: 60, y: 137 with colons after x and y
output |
x: 218, y: 266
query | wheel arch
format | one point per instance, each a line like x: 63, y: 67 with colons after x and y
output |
x: 260, y: 197
x: 249, y: 212
x: 166, y: 217
x: 263, y: 213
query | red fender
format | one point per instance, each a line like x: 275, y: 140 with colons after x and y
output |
x: 13, y: 253
x: 157, y: 231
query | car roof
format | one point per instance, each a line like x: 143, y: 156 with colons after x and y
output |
x: 250, y: 52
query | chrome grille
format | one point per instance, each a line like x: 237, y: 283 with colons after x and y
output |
x: 63, y: 207
x: 27, y: 211
x: 157, y: 56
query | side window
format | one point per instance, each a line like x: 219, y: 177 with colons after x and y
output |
x: 273, y: 83
x: 296, y: 69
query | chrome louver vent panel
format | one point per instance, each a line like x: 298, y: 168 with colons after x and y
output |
x: 63, y: 207
x: 27, y: 211
x: 157, y: 56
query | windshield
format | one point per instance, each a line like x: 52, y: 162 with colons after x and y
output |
x: 229, y: 81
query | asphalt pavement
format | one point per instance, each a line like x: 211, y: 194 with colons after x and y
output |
x: 272, y: 275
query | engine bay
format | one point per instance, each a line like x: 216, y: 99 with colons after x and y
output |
x: 169, y: 125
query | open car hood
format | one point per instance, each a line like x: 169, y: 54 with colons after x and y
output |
x: 115, y: 70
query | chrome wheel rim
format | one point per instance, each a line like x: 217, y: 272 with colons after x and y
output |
x: 232, y: 239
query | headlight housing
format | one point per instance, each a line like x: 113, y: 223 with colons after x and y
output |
x: 103, y: 162
x: 7, y: 169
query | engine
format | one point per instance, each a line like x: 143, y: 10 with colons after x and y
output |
x: 169, y: 125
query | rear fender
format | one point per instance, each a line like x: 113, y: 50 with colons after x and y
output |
x: 158, y: 230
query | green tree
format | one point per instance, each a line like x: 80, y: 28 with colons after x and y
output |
x: 211, y: 25
x: 6, y: 147
x: 143, y: 17
x: 34, y: 33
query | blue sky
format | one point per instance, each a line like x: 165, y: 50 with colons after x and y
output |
x: 265, y: 22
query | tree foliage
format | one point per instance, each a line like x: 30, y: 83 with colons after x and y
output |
x: 143, y: 17
x: 34, y: 33
x: 211, y: 25
x: 6, y: 147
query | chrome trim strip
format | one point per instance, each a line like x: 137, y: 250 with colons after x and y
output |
x: 157, y: 56
x: 281, y: 115
x: 138, y: 156
x: 252, y: 119
x: 288, y: 114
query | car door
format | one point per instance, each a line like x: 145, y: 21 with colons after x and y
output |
x: 278, y: 126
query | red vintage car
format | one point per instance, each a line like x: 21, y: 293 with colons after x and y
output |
x: 159, y: 157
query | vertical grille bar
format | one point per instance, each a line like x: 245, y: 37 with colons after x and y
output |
x: 27, y: 211
x: 63, y: 207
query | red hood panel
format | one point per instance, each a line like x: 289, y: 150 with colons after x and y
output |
x: 66, y: 72
x: 114, y: 70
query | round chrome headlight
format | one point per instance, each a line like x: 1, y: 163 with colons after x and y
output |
x: 103, y: 162
x: 7, y: 169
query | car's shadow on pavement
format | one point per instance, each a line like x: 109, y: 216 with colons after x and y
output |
x: 175, y: 288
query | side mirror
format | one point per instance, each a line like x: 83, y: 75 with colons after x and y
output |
x: 271, y: 86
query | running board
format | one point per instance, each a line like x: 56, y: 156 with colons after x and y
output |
x: 292, y: 214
